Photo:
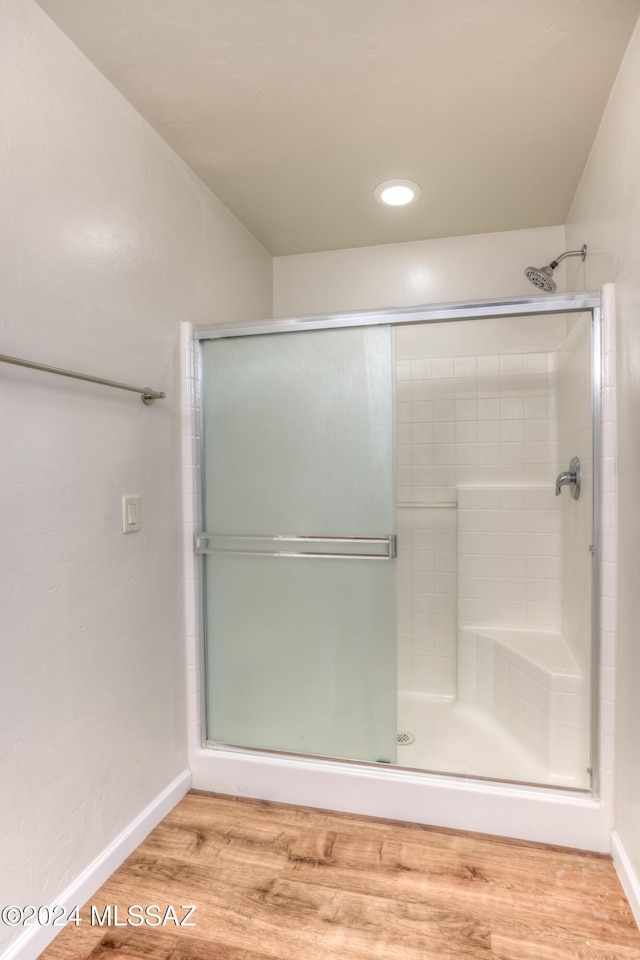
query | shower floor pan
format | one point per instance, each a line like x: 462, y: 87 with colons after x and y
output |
x: 455, y: 737
x: 520, y: 712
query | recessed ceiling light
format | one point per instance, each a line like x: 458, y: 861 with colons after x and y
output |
x: 397, y: 193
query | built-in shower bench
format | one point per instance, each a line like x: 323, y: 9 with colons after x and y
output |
x: 529, y: 681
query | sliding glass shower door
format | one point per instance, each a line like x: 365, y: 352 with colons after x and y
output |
x: 299, y: 514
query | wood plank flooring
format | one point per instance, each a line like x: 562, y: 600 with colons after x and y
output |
x: 275, y: 881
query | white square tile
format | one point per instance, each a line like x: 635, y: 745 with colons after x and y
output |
x: 424, y: 676
x: 489, y: 453
x: 536, y: 363
x: 444, y: 676
x: 421, y: 390
x: 465, y: 367
x: 489, y: 431
x: 467, y: 684
x: 489, y: 409
x: 466, y: 409
x: 536, y: 408
x: 529, y: 717
x: 530, y: 691
x: 467, y: 654
x: 444, y: 389
x: 515, y: 710
x: 537, y: 431
x: 511, y: 365
x: 484, y: 691
x: 501, y: 669
x: 403, y: 476
x: 443, y: 410
x: 421, y: 410
x: 515, y: 679
x: 511, y: 453
x: 423, y: 643
x: 442, y: 367
x: 403, y: 391
x: 443, y: 453
x: 484, y: 662
x: 511, y: 408
x: 540, y: 499
x: 511, y: 430
x: 538, y: 453
x: 403, y: 454
x: 544, y: 701
x: 403, y: 432
x: 513, y: 521
x: 444, y: 432
x: 466, y: 388
x: 466, y: 453
x: 489, y: 499
x: 422, y: 453
x: 565, y: 707
x: 445, y: 646
x: 488, y: 366
x: 420, y: 369
x: 406, y: 672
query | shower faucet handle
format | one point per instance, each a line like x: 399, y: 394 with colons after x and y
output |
x: 570, y: 478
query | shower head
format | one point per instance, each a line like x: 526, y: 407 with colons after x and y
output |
x: 542, y: 277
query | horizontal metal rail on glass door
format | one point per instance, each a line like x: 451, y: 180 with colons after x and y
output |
x: 388, y: 543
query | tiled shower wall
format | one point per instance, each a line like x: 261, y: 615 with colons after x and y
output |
x: 574, y: 429
x: 509, y: 556
x: 427, y: 596
x: 484, y: 421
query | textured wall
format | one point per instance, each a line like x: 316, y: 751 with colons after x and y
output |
x: 487, y: 265
x: 107, y: 241
x: 606, y: 215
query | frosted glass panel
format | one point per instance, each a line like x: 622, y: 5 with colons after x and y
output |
x: 299, y: 433
x: 302, y: 655
x: 299, y: 442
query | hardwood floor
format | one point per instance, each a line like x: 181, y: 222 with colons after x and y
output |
x: 274, y: 881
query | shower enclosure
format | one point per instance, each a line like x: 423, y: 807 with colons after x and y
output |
x: 389, y: 577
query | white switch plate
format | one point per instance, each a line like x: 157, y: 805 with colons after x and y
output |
x: 131, y: 513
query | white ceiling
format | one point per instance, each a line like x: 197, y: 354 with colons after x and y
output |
x: 292, y: 111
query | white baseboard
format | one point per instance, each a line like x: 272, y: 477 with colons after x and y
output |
x: 628, y: 877
x: 36, y: 939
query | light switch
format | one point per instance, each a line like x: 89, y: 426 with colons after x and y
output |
x: 131, y: 513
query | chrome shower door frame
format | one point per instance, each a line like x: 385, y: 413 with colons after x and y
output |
x: 568, y: 303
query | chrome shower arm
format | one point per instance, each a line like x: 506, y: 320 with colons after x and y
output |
x: 582, y: 253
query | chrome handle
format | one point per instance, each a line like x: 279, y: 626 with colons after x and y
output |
x: 562, y: 480
x: 570, y: 478
x: 389, y: 543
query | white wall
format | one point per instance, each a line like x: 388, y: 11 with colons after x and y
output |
x: 606, y: 215
x: 485, y: 266
x: 107, y: 242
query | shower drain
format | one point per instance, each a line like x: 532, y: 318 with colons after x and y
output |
x: 404, y: 737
